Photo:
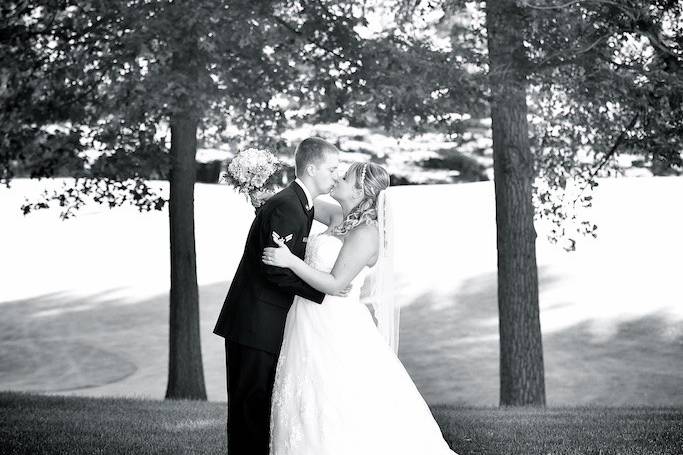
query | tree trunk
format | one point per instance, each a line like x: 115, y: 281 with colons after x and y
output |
x: 522, y: 380
x: 185, y: 370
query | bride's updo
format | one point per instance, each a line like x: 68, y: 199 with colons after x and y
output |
x: 371, y: 178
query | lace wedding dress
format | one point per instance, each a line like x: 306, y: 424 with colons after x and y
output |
x: 339, y: 387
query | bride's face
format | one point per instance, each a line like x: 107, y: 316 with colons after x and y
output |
x: 345, y: 189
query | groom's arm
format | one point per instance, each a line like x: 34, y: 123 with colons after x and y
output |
x: 279, y: 222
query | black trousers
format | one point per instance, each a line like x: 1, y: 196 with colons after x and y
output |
x: 250, y: 377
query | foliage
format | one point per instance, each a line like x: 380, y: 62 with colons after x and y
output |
x: 608, y: 80
x: 110, y: 74
x: 605, y: 79
x: 411, y: 87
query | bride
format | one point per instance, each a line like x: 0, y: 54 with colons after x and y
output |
x: 339, y: 386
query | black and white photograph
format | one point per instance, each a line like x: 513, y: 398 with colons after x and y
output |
x: 341, y: 227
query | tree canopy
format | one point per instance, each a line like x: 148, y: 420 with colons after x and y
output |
x: 604, y: 81
x: 106, y: 76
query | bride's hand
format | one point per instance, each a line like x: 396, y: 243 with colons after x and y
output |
x: 278, y: 257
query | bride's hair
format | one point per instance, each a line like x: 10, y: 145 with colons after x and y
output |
x: 371, y: 178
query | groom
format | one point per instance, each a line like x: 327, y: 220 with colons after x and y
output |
x: 252, y: 319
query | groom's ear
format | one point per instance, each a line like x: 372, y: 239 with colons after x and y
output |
x: 310, y: 170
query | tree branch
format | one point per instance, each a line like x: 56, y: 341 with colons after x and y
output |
x: 20, y: 9
x: 615, y: 146
x: 544, y: 63
x: 296, y: 32
x: 610, y: 153
x: 619, y: 6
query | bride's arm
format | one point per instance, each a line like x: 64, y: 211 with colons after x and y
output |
x: 326, y: 212
x: 360, y: 246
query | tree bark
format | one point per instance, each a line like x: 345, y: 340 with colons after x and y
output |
x: 522, y: 381
x: 185, y: 370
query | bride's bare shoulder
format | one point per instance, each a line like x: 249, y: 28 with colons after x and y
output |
x: 363, y: 240
x: 366, y: 232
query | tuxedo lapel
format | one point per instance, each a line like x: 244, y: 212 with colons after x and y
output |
x: 300, y: 195
x: 310, y: 214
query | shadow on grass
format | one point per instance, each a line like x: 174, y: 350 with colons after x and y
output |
x: 101, y: 345
x: 450, y: 347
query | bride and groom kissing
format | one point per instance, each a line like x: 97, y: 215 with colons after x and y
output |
x: 309, y: 371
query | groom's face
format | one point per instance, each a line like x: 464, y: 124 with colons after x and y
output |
x: 326, y: 172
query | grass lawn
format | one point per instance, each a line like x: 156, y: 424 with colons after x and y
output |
x: 84, y: 302
x: 35, y: 424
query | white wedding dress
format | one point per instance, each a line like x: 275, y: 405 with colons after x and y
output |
x: 339, y: 387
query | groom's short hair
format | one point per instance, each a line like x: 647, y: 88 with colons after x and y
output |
x: 311, y: 150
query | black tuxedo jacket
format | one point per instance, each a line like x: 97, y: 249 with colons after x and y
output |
x: 255, y: 309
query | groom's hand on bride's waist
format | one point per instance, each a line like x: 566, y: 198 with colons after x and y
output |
x: 344, y: 292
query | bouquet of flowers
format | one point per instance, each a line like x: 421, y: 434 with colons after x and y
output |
x: 249, y: 171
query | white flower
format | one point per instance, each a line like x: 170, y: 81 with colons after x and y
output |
x: 250, y: 169
x: 258, y: 181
